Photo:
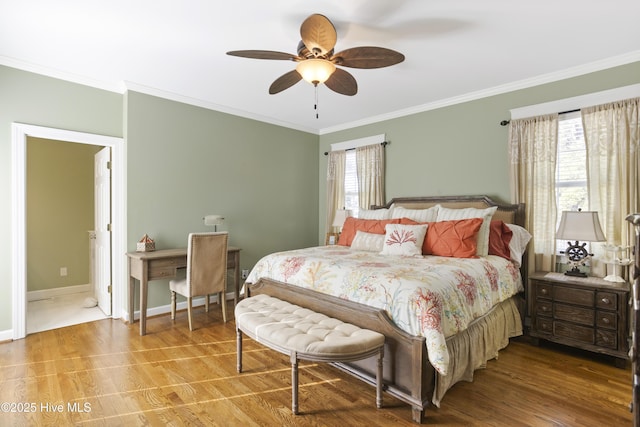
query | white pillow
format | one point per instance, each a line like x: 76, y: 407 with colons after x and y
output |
x: 400, y: 239
x: 368, y: 242
x: 374, y: 213
x: 518, y: 243
x: 418, y: 215
x: 447, y: 214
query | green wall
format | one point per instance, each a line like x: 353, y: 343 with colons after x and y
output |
x: 37, y: 100
x: 60, y: 206
x: 461, y: 149
x: 185, y: 162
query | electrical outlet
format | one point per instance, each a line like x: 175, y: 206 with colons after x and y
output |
x: 63, y: 271
x: 245, y: 274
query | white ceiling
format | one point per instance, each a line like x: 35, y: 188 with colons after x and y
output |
x: 455, y: 50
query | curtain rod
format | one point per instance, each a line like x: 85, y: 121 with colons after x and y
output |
x: 506, y: 122
x: 384, y: 144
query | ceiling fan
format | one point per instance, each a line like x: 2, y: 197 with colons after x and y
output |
x: 317, y: 61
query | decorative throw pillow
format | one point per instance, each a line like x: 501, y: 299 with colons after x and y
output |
x: 518, y: 243
x: 419, y: 215
x: 448, y: 214
x: 368, y: 242
x: 374, y: 213
x: 404, y: 239
x: 456, y: 238
x: 352, y: 225
x: 499, y: 238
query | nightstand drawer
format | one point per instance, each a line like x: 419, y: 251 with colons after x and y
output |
x: 606, y: 339
x: 544, y: 308
x: 607, y: 300
x: 575, y: 332
x: 544, y: 290
x: 606, y: 319
x: 574, y: 296
x: 544, y: 325
x: 574, y: 314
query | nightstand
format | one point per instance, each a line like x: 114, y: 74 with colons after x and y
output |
x: 587, y: 313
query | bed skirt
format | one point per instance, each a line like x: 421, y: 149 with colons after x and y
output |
x: 480, y: 342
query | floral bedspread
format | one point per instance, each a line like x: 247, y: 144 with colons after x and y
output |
x: 430, y: 296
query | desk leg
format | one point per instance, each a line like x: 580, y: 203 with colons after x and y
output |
x: 236, y: 295
x: 144, y: 288
x: 132, y: 290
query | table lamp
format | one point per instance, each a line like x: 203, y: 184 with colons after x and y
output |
x: 579, y: 226
x: 214, y: 220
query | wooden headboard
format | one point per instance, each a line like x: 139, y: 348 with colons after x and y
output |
x: 509, y: 213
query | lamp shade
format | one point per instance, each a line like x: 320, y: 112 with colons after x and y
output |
x: 213, y: 220
x: 340, y: 217
x: 315, y: 71
x: 580, y: 225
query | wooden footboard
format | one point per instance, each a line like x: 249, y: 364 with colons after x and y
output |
x: 407, y: 373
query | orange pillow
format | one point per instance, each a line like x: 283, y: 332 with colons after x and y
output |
x: 456, y: 238
x: 353, y: 225
x: 499, y: 238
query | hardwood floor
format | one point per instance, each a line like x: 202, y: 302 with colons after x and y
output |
x: 104, y: 373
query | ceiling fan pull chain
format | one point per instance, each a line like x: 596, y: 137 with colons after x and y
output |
x: 315, y: 106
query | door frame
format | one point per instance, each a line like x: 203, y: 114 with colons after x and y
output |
x: 20, y: 133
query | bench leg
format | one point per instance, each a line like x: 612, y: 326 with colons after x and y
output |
x: 239, y: 350
x: 294, y: 383
x: 379, y: 379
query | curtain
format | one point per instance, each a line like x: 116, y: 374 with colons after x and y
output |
x: 532, y: 151
x: 335, y: 186
x: 370, y: 171
x: 612, y: 138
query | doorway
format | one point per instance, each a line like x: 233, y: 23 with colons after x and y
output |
x: 21, y: 132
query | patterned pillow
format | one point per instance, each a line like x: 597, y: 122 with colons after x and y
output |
x: 374, y: 213
x: 368, y: 242
x: 419, y: 215
x: 447, y: 214
x: 402, y: 239
x: 352, y: 225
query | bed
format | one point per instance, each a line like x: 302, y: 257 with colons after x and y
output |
x: 436, y: 335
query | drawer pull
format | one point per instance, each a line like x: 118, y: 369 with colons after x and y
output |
x: 606, y: 300
x: 544, y: 291
x: 605, y: 320
x: 543, y: 308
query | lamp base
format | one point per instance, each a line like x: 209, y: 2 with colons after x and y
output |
x: 575, y: 272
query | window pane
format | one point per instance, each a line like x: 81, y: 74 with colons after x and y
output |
x: 351, y: 183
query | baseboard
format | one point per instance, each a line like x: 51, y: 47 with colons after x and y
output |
x: 164, y: 309
x: 55, y: 292
x: 6, y: 335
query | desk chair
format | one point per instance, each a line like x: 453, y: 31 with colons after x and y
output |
x: 206, y: 272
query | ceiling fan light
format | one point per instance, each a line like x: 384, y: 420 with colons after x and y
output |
x: 315, y: 71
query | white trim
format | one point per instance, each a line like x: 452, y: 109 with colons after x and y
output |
x: 577, y: 102
x: 164, y: 309
x: 56, y: 292
x: 20, y: 132
x: 360, y: 142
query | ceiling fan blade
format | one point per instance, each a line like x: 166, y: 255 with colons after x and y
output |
x: 367, y: 57
x: 264, y: 54
x: 285, y: 81
x: 318, y: 34
x: 342, y: 82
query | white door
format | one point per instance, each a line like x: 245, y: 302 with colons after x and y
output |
x: 102, y: 182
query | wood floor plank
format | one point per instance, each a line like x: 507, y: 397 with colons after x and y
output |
x: 174, y: 376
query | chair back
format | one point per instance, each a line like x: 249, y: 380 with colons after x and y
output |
x: 207, y: 263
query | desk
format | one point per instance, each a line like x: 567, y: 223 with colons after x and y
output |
x: 164, y: 264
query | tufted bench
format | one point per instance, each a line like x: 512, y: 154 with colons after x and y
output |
x: 307, y: 335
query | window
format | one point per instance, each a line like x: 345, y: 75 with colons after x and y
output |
x: 351, y: 183
x: 571, y: 166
